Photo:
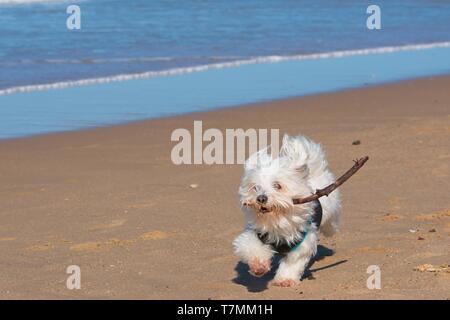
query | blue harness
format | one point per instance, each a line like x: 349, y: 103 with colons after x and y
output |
x: 284, y: 247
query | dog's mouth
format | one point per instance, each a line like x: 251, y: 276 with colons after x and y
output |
x: 259, y: 209
x: 264, y: 210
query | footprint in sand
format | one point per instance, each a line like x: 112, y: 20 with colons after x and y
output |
x: 445, y: 268
x: 390, y: 217
x: 98, y: 245
x: 434, y: 215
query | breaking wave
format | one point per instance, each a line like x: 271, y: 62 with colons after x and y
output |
x: 221, y: 65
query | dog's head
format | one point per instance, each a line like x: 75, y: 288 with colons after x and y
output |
x: 269, y: 184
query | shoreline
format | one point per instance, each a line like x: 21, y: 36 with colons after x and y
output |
x: 111, y: 201
x: 224, y: 64
x: 118, y: 102
x: 231, y: 107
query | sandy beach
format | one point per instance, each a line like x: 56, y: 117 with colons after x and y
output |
x: 111, y: 201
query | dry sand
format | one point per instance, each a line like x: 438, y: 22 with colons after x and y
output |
x: 111, y: 201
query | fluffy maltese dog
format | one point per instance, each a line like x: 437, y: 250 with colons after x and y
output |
x: 275, y: 225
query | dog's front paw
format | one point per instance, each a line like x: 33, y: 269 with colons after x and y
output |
x: 285, y: 283
x: 258, y: 267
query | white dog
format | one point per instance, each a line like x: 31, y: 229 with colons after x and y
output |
x: 274, y: 223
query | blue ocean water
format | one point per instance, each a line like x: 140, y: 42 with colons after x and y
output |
x: 192, y: 55
x: 133, y: 36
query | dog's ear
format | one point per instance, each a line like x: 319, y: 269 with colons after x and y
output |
x: 252, y: 162
x: 258, y: 159
x: 303, y: 170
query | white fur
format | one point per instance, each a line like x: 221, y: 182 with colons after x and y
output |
x: 300, y: 169
x: 248, y: 246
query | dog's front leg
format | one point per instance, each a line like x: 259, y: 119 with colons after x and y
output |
x: 293, y: 265
x: 252, y: 251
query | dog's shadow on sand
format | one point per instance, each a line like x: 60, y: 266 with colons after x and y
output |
x: 255, y: 284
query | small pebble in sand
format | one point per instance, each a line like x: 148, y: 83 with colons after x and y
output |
x: 356, y: 142
x: 432, y: 230
x: 420, y: 238
x: 413, y: 230
x: 193, y: 186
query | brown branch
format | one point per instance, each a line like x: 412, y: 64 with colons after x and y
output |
x: 327, y: 190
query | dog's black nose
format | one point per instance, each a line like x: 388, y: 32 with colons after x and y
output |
x: 261, y: 199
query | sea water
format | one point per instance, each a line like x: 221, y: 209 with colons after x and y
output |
x: 143, y: 59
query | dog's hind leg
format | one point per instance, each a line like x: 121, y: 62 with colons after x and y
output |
x: 293, y: 265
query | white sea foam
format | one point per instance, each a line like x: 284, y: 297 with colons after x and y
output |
x: 113, y: 60
x: 221, y: 65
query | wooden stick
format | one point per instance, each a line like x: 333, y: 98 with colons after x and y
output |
x: 327, y: 190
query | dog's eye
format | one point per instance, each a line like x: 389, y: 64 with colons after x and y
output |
x: 277, y: 186
x: 255, y: 188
